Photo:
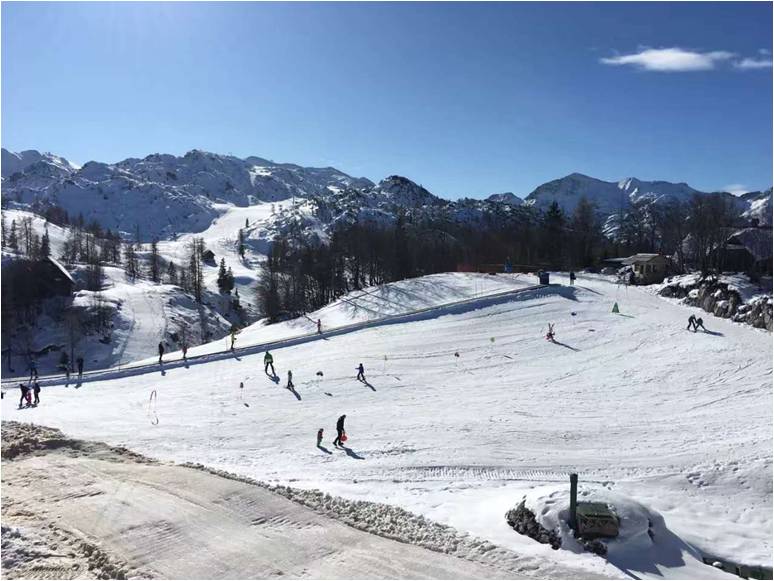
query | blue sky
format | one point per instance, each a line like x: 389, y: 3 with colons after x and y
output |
x: 465, y: 98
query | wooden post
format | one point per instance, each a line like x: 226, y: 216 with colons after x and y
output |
x: 573, y: 501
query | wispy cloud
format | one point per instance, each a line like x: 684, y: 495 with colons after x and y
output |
x: 753, y: 63
x: 736, y: 189
x: 670, y: 59
x: 679, y: 60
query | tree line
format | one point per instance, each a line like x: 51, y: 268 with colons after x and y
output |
x: 300, y: 277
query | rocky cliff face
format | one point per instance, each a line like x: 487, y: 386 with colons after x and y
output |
x: 723, y: 298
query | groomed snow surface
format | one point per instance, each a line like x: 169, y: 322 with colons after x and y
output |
x: 466, y: 413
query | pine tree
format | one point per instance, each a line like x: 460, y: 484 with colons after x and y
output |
x: 131, y: 266
x: 222, y: 276
x: 13, y: 240
x: 2, y: 229
x: 155, y: 262
x: 241, y: 247
x: 45, y: 246
x: 171, y: 273
x: 229, y: 280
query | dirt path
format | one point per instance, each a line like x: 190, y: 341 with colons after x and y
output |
x: 80, y: 509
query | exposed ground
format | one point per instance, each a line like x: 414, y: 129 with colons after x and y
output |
x: 76, y: 509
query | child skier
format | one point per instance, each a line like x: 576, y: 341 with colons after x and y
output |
x: 319, y: 437
x: 699, y: 323
x: 550, y: 334
x: 361, y: 373
x: 268, y: 361
x: 290, y: 380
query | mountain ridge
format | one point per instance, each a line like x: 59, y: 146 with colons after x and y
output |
x: 184, y: 190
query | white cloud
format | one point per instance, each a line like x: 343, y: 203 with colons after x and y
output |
x: 670, y: 59
x: 753, y: 63
x: 736, y: 189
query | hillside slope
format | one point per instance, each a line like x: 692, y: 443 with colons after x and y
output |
x: 463, y: 414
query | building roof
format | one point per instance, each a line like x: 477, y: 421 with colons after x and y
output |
x: 757, y: 241
x: 58, y: 264
x: 639, y: 258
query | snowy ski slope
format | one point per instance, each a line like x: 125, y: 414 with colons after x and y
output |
x: 677, y: 421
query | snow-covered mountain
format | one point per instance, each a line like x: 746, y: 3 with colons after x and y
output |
x: 758, y: 206
x: 19, y: 162
x: 608, y: 197
x: 161, y: 195
x: 165, y: 196
x: 506, y: 198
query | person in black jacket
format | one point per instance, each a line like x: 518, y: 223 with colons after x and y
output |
x: 339, y: 431
x: 79, y: 361
x: 23, y: 389
x: 161, y: 351
x: 36, y: 391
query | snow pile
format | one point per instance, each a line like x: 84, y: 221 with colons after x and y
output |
x: 644, y: 543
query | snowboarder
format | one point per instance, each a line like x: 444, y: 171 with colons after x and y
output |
x: 268, y: 361
x: 319, y: 437
x: 319, y: 327
x: 339, y: 431
x: 79, y: 362
x: 290, y: 380
x: 550, y: 334
x: 572, y: 277
x: 161, y: 351
x: 33, y: 369
x: 361, y: 373
x: 23, y: 389
x: 36, y: 390
x: 699, y: 323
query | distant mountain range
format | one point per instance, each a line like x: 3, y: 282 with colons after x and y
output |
x: 165, y: 195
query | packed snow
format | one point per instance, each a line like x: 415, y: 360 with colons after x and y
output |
x: 465, y: 413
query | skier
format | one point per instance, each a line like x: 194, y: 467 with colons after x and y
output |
x: 233, y: 338
x: 185, y: 350
x: 290, y: 380
x: 339, y: 431
x: 572, y: 277
x: 550, y: 334
x: 268, y: 361
x: 361, y: 373
x: 319, y: 327
x: 691, y: 323
x: 319, y: 437
x: 23, y: 389
x: 36, y: 390
x: 161, y: 351
x: 699, y: 323
x: 64, y: 365
x: 33, y: 369
x: 79, y: 362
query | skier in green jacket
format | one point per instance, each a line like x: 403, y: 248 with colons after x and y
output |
x: 268, y: 361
